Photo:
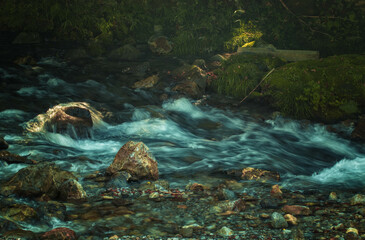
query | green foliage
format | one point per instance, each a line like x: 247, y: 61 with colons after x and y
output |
x: 239, y: 75
x: 326, y: 90
x: 247, y: 32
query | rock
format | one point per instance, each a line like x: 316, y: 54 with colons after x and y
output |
x: 127, y: 52
x: 147, y: 82
x: 14, y: 158
x: 27, y: 60
x: 225, y: 232
x: 193, y: 80
x: 160, y: 45
x: 27, y: 38
x: 270, y: 203
x: 250, y: 173
x: 3, y: 144
x: 352, y: 234
x: 187, y: 231
x: 61, y: 233
x: 357, y: 199
x: 196, y: 187
x: 37, y: 180
x: 358, y: 134
x: 276, y: 192
x: 18, y: 212
x: 75, y: 119
x: 278, y: 221
x: 72, y: 190
x: 296, y: 210
x: 7, y: 225
x: 188, y: 88
x: 332, y: 196
x: 291, y: 219
x: 135, y: 158
x: 200, y: 63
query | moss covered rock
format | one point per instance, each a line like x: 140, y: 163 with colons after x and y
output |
x: 240, y: 74
x: 326, y: 90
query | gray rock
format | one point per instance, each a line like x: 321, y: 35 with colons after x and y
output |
x: 3, y: 144
x: 278, y: 221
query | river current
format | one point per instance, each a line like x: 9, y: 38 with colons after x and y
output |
x: 187, y: 139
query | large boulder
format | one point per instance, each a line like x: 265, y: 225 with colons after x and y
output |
x: 44, y: 179
x: 135, y: 158
x: 75, y: 119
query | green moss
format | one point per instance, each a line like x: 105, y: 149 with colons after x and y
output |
x: 327, y: 90
x: 244, y: 34
x: 241, y: 73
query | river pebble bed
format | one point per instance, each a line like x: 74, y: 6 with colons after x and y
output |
x: 201, y: 147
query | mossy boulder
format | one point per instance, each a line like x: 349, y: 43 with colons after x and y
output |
x: 326, y: 90
x: 241, y: 73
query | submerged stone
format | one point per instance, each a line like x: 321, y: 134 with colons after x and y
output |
x: 14, y: 158
x: 296, y: 210
x: 278, y: 221
x: 135, y: 158
x: 358, y: 134
x: 250, y: 173
x: 61, y: 233
x: 44, y: 178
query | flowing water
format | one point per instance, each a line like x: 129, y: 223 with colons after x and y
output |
x: 188, y: 140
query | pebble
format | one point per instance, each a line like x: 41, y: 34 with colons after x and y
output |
x: 291, y: 219
x: 332, y: 196
x: 278, y: 221
x: 357, y: 199
x: 296, y: 210
x: 225, y: 232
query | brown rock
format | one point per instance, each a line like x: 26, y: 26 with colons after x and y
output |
x: 18, y: 212
x: 250, y: 173
x: 14, y: 158
x: 358, y: 134
x: 135, y: 158
x: 291, y: 219
x: 59, y: 234
x: 160, y: 45
x: 75, y: 119
x: 147, y: 83
x: 188, y: 88
x: 72, y: 190
x: 38, y: 180
x: 296, y: 210
x: 358, y: 199
x: 276, y: 192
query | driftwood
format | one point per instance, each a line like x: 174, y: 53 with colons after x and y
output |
x: 289, y: 55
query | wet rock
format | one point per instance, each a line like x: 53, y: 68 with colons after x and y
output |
x: 187, y: 231
x: 225, y: 232
x: 193, y: 80
x: 74, y: 118
x: 357, y: 199
x: 250, y: 173
x: 291, y: 219
x: 27, y: 38
x: 3, y: 144
x: 332, y: 196
x: 147, y: 82
x: 126, y: 52
x: 188, y: 88
x: 278, y: 221
x: 358, y: 134
x: 296, y: 210
x: 27, y: 60
x: 7, y: 225
x: 160, y: 45
x: 270, y: 203
x: 352, y: 234
x: 14, y: 158
x: 53, y: 209
x: 37, y: 180
x: 72, y: 190
x: 18, y: 212
x: 276, y: 192
x: 61, y: 233
x: 135, y: 158
x: 196, y: 187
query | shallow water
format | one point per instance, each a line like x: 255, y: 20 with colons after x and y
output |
x: 186, y: 139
